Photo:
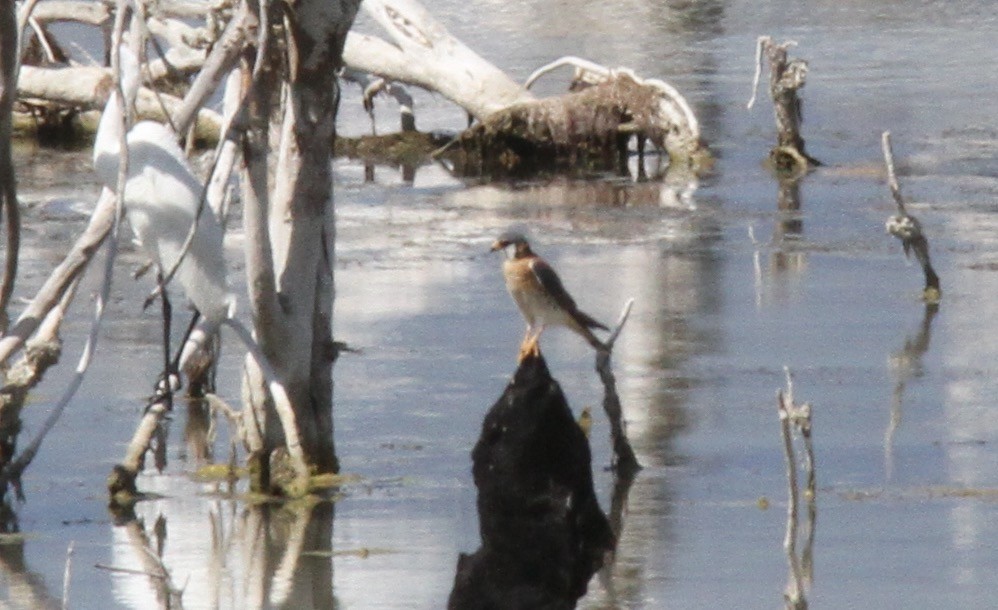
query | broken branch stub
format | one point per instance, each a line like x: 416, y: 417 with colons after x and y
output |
x: 786, y: 77
x: 908, y: 229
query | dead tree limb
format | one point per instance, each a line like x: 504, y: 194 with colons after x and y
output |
x: 797, y: 417
x: 908, y: 229
x: 516, y: 133
x: 625, y: 462
x: 786, y: 77
x: 61, y: 278
x: 9, y: 59
x: 425, y: 54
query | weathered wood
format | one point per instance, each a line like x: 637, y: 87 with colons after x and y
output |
x: 8, y: 179
x: 427, y: 55
x: 587, y: 129
x: 786, y: 77
x: 908, y: 229
x: 88, y: 87
x: 794, y: 417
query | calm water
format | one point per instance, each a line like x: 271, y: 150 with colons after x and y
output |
x: 905, y: 428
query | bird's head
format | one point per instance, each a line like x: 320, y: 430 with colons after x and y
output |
x: 513, y: 240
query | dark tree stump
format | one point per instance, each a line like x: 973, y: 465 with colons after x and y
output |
x: 543, y: 532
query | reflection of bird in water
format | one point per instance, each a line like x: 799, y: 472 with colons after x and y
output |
x: 540, y: 295
x: 161, y: 200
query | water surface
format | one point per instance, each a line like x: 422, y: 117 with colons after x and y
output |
x: 905, y: 430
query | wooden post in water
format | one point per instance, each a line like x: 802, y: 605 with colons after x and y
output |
x: 906, y: 227
x: 786, y: 76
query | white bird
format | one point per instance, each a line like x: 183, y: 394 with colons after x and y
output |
x: 161, y: 199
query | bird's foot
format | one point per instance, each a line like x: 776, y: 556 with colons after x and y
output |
x: 530, y: 348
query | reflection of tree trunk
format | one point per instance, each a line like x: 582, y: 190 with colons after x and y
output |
x: 24, y: 588
x: 150, y: 562
x: 289, y: 555
x: 788, y: 203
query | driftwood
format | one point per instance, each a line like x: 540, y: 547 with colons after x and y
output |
x: 908, y: 229
x: 786, y: 77
x: 517, y: 133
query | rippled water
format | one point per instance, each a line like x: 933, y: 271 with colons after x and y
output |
x: 905, y: 428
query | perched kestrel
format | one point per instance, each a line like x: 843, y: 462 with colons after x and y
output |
x: 540, y: 295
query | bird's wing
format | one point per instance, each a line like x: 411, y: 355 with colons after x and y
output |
x: 551, y: 284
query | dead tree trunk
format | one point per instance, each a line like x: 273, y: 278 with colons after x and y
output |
x: 786, y: 77
x: 8, y: 185
x: 543, y: 532
x: 908, y: 229
x: 291, y: 221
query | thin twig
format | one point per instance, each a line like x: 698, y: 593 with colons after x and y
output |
x: 760, y: 43
x: 121, y: 570
x: 67, y: 574
x: 892, y: 179
x: 624, y: 459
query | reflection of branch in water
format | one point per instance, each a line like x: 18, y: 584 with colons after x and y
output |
x: 167, y: 594
x: 906, y: 364
x: 618, y: 502
x: 24, y: 587
x: 789, y: 228
x: 797, y: 417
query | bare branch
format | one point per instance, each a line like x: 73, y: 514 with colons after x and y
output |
x: 624, y: 461
x: 61, y: 278
x: 9, y: 60
x: 908, y: 229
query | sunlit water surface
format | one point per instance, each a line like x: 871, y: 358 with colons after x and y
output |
x: 728, y: 291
